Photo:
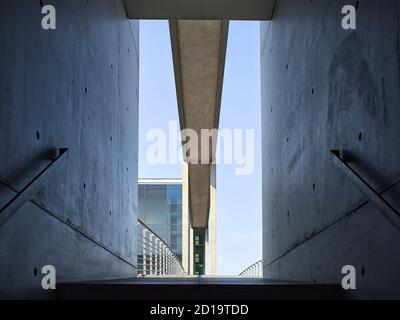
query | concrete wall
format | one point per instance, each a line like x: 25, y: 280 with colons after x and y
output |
x: 74, y: 87
x: 187, y: 243
x: 326, y: 88
x: 211, y: 240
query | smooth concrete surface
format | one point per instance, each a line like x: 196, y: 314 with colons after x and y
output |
x: 187, y: 245
x: 199, y: 50
x: 326, y: 88
x: 211, y: 241
x: 200, y: 9
x: 74, y: 87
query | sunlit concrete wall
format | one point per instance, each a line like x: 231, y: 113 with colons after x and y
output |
x: 75, y: 87
x: 327, y: 88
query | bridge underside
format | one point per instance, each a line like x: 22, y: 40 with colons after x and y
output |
x: 199, y: 49
x: 199, y: 31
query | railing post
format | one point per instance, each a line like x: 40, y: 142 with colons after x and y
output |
x: 150, y: 266
x: 169, y: 263
x: 155, y: 256
x: 165, y: 259
x: 139, y: 249
x: 255, y: 270
x: 162, y: 258
x: 144, y: 252
x: 158, y: 258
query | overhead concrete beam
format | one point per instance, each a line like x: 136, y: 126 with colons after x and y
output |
x: 200, y: 9
x: 199, y: 49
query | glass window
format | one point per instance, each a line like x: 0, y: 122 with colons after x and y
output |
x: 160, y: 207
x: 174, y: 194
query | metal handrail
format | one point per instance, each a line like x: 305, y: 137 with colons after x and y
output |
x: 155, y: 257
x: 389, y: 212
x: 58, y: 160
x: 254, y: 271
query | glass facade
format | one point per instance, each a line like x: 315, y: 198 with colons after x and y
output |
x: 160, y: 208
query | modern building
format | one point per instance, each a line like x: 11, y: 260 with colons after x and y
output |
x: 163, y: 207
x: 160, y: 208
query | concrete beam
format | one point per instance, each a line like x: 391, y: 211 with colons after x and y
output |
x: 199, y: 49
x: 200, y: 9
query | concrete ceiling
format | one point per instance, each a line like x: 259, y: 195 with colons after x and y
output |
x: 200, y: 9
x: 199, y: 49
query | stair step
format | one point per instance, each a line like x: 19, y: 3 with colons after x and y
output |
x: 198, y: 288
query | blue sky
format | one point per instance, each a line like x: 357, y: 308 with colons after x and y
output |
x: 238, y: 197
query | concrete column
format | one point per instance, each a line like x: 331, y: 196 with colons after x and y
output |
x: 191, y: 267
x: 211, y: 250
x: 186, y: 249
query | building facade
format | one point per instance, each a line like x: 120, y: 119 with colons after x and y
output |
x: 160, y: 208
x: 164, y: 208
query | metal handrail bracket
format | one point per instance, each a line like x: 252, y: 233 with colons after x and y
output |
x: 390, y: 213
x: 32, y: 187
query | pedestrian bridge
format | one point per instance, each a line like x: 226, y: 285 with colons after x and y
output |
x: 161, y: 276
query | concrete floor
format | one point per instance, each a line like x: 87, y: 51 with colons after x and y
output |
x: 194, y: 288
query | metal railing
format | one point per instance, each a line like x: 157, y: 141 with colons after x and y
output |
x: 254, y: 271
x: 390, y: 213
x: 155, y: 257
x: 58, y: 158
